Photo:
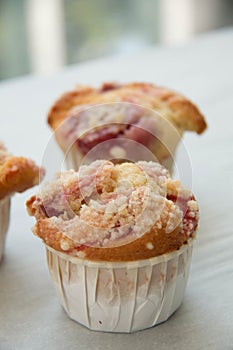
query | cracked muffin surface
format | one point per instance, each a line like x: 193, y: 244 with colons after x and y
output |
x: 121, y: 212
x: 153, y: 116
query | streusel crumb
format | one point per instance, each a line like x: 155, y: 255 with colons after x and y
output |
x: 107, y: 211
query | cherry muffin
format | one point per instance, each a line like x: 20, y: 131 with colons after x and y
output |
x: 120, y: 116
x: 119, y: 242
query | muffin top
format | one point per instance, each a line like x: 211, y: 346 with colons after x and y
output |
x: 173, y: 106
x: 17, y: 174
x: 111, y: 120
x: 122, y: 212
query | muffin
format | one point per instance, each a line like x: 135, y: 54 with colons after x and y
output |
x: 120, y: 116
x: 119, y: 242
x: 17, y: 174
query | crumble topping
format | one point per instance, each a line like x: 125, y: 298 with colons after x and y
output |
x: 107, y: 205
x: 149, y: 245
x: 193, y: 206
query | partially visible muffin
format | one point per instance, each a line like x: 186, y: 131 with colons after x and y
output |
x: 144, y: 113
x: 17, y: 174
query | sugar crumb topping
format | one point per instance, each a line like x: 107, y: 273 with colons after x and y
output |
x: 149, y: 246
x: 106, y: 205
x: 192, y: 204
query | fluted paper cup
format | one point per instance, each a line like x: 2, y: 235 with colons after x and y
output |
x: 4, y: 222
x: 120, y: 296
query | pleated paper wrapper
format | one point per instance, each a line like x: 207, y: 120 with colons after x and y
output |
x: 4, y: 222
x: 120, y: 296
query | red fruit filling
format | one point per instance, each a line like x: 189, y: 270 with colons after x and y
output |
x: 190, y: 221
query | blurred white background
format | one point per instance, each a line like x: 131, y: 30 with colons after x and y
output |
x: 41, y: 36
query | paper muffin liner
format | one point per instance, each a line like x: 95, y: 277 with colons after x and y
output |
x: 120, y: 296
x: 4, y: 222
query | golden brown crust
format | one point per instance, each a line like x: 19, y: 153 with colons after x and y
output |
x: 161, y: 242
x: 50, y: 235
x: 66, y: 102
x: 173, y: 106
x: 17, y: 174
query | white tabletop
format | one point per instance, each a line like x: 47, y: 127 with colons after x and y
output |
x: 30, y: 315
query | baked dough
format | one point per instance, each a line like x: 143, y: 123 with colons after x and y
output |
x: 172, y: 105
x: 123, y: 212
x: 17, y: 174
